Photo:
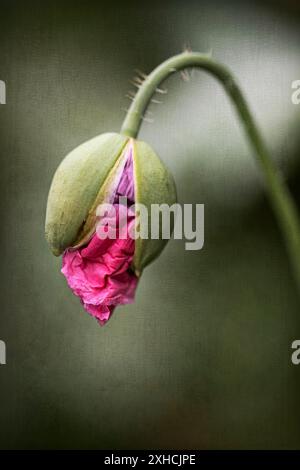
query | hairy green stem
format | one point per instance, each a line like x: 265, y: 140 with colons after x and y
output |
x: 279, y: 195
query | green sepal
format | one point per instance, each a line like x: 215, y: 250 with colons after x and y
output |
x: 75, y: 187
x: 154, y: 184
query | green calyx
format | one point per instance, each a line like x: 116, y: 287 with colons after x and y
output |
x: 85, y: 178
x: 154, y: 184
x: 75, y: 186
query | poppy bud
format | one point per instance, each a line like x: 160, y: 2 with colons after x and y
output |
x: 98, y: 172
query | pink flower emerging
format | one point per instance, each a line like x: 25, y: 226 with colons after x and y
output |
x: 99, y: 273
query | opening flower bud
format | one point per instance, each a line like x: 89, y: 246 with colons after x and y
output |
x: 103, y: 270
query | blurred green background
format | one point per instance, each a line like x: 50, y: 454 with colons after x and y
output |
x: 202, y: 359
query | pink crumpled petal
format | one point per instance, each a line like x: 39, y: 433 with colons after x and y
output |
x: 99, y: 273
x: 126, y: 184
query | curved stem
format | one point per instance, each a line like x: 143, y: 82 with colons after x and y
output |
x: 279, y: 195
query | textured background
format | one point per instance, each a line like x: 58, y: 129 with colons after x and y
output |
x: 202, y: 359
